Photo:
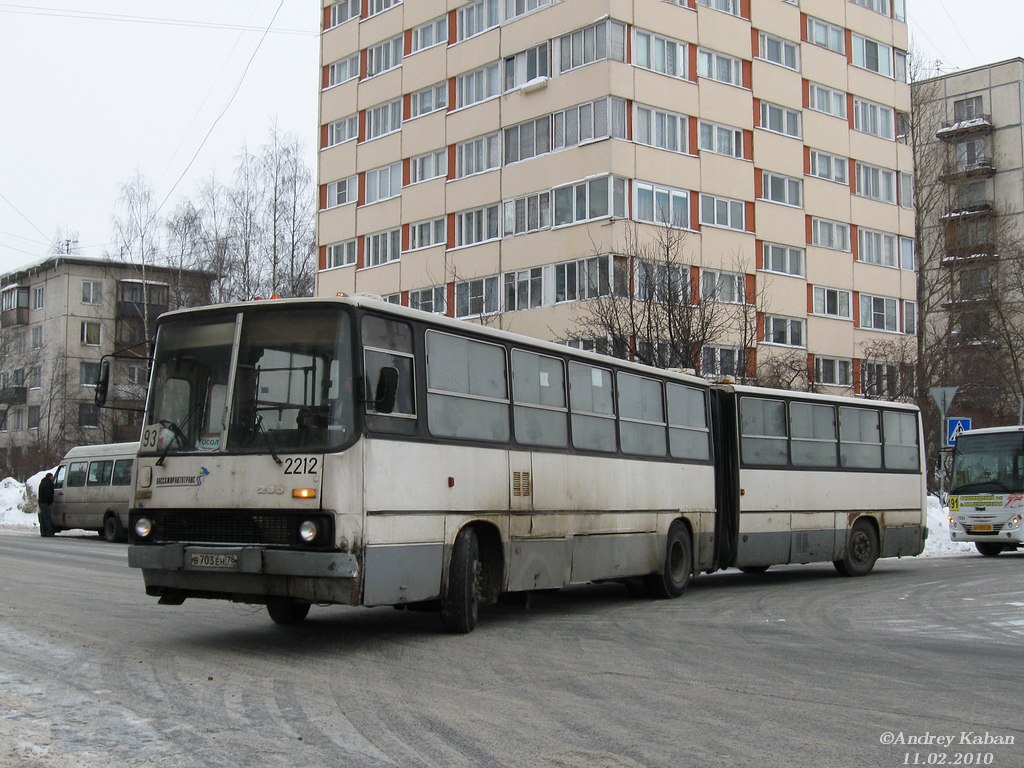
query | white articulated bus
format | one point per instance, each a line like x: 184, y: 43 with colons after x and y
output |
x: 350, y: 451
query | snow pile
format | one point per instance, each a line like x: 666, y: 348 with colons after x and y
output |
x: 939, y: 543
x: 14, y: 504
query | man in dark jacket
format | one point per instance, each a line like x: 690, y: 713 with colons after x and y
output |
x: 46, y: 505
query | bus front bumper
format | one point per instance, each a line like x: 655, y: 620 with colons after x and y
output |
x: 174, y: 572
x: 1009, y: 532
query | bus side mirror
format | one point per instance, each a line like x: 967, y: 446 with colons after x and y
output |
x: 386, y: 392
x: 102, y: 384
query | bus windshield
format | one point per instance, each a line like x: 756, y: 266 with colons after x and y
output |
x: 989, y: 462
x: 292, y: 385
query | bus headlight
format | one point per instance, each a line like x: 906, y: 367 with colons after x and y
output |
x: 143, y: 527
x: 308, y: 531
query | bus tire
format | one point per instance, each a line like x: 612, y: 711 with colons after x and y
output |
x: 285, y: 610
x: 861, y: 550
x: 678, y: 569
x: 112, y: 530
x: 460, y: 604
x: 752, y: 569
x: 988, y: 548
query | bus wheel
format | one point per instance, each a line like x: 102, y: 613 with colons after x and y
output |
x: 112, y: 528
x: 988, y: 548
x: 285, y: 610
x: 752, y: 569
x: 672, y: 581
x: 861, y: 550
x: 460, y: 604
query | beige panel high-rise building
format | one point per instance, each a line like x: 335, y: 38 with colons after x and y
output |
x: 529, y: 163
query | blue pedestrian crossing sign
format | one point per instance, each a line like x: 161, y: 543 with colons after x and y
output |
x: 954, y: 426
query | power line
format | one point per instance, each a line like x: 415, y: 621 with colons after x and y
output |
x: 26, y: 218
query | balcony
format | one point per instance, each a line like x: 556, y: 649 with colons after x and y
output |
x: 981, y: 167
x: 12, y: 317
x: 135, y: 310
x: 13, y: 395
x: 965, y: 127
x: 972, y: 209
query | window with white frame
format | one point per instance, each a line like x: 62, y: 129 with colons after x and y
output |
x: 383, y: 183
x: 587, y: 122
x: 477, y: 155
x: 524, y: 289
x: 878, y: 313
x: 91, y: 335
x: 586, y: 278
x: 780, y: 119
x: 477, y: 225
x: 529, y: 213
x: 429, y: 165
x: 430, y: 33
x: 656, y: 204
x: 38, y: 294
x: 718, y: 211
x: 427, y: 100
x: 429, y: 300
x: 869, y: 117
x: 344, y: 10
x: 910, y: 318
x: 659, y: 53
x: 476, y: 18
x: 528, y: 139
x: 899, y: 61
x: 393, y: 298
x: 830, y: 234
x: 592, y: 199
x: 725, y: 287
x: 872, y: 55
x: 658, y: 128
x: 383, y: 119
x: 826, y: 35
x: 783, y: 259
x: 782, y: 189
x: 720, y: 139
x: 907, y: 258
x: 342, y: 192
x: 968, y: 109
x: 425, y: 234
x: 876, y: 183
x: 37, y: 337
x: 88, y: 373
x: 663, y: 282
x: 341, y: 254
x: 384, y: 56
x: 778, y: 51
x: 878, y: 6
x: 526, y: 66
x: 970, y: 154
x: 829, y: 167
x: 785, y: 331
x: 476, y: 86
x: 343, y: 130
x: 516, y: 8
x: 92, y: 292
x: 827, y: 100
x: 383, y: 247
x: 373, y: 7
x: 833, y: 371
x: 722, y: 361
x: 719, y: 66
x: 832, y: 302
x: 604, y: 40
x: 477, y: 297
x: 876, y: 247
x: 725, y: 6
x: 879, y: 379
x: 342, y: 71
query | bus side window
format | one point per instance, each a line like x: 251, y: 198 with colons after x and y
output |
x: 763, y: 431
x: 76, y: 474
x: 641, y: 415
x: 593, y: 408
x: 900, y: 432
x: 99, y: 472
x: 813, y: 434
x: 538, y: 388
x: 688, y: 434
x: 467, y: 388
x: 122, y: 472
x: 388, y: 344
x: 58, y: 481
x: 860, y: 438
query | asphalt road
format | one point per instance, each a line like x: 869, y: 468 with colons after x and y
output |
x: 796, y: 667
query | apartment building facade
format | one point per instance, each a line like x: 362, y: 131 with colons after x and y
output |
x: 513, y: 161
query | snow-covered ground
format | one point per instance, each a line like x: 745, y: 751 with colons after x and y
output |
x: 18, y: 510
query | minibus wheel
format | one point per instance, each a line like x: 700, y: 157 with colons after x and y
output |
x: 112, y: 530
x: 285, y: 610
x: 988, y: 548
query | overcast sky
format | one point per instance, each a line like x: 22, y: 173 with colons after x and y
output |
x: 92, y: 91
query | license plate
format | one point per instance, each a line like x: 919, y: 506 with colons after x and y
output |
x: 982, y: 527
x: 212, y: 560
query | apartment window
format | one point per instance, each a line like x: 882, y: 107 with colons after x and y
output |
x: 524, y: 289
x: 37, y: 337
x: 910, y: 318
x: 827, y: 100
x: 586, y: 122
x: 383, y: 183
x: 907, y: 258
x: 661, y: 205
x: 720, y: 139
x: 722, y: 361
x: 477, y: 297
x: 343, y: 10
x: 88, y: 374
x: 719, y: 211
x: 18, y: 377
x: 879, y: 379
x: 526, y: 66
x: 782, y: 189
x: 92, y: 292
x: 37, y: 297
x: 660, y: 54
x: 663, y: 282
x: 778, y: 51
x: 871, y: 55
x: 528, y: 139
x: 876, y: 247
x: 384, y: 56
x: 429, y: 300
x: 593, y: 199
x: 829, y: 167
x: 428, y: 100
x: 17, y: 420
x: 33, y: 417
x: 878, y: 313
x: 343, y: 130
x: 726, y: 287
x: 382, y: 247
x: 477, y: 18
x: 476, y: 86
x: 786, y: 331
x: 529, y: 213
x: 830, y: 234
x: 826, y: 35
x: 585, y: 278
x: 906, y: 191
x: 968, y: 109
x: 832, y: 302
x: 899, y: 61
x: 970, y: 154
x: 342, y: 71
x: 373, y: 7
x: 515, y: 8
x: 718, y: 66
x: 383, y: 119
x: 477, y: 155
x: 779, y: 119
x: 429, y: 165
x: 604, y: 40
x: 476, y: 226
x: 657, y: 128
x: 429, y: 34
x: 88, y: 415
x: 342, y: 192
x: 878, y: 6
x: 783, y: 259
x: 876, y: 183
x: 725, y: 6
x: 91, y: 333
x: 341, y: 254
x: 833, y: 371
x: 35, y: 377
x: 425, y: 234
x: 869, y: 117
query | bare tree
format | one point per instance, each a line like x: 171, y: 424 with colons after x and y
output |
x: 246, y: 200
x: 290, y: 216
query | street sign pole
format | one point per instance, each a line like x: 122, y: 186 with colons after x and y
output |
x: 942, y: 396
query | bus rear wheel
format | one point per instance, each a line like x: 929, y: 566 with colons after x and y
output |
x: 460, y: 604
x: 112, y: 530
x: 672, y: 581
x: 285, y: 610
x: 861, y: 550
x: 988, y: 548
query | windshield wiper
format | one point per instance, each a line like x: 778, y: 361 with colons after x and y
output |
x: 268, y: 439
x: 178, y: 435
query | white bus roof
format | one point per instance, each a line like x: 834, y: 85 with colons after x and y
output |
x: 102, y: 450
x: 992, y: 430
x: 841, y: 400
